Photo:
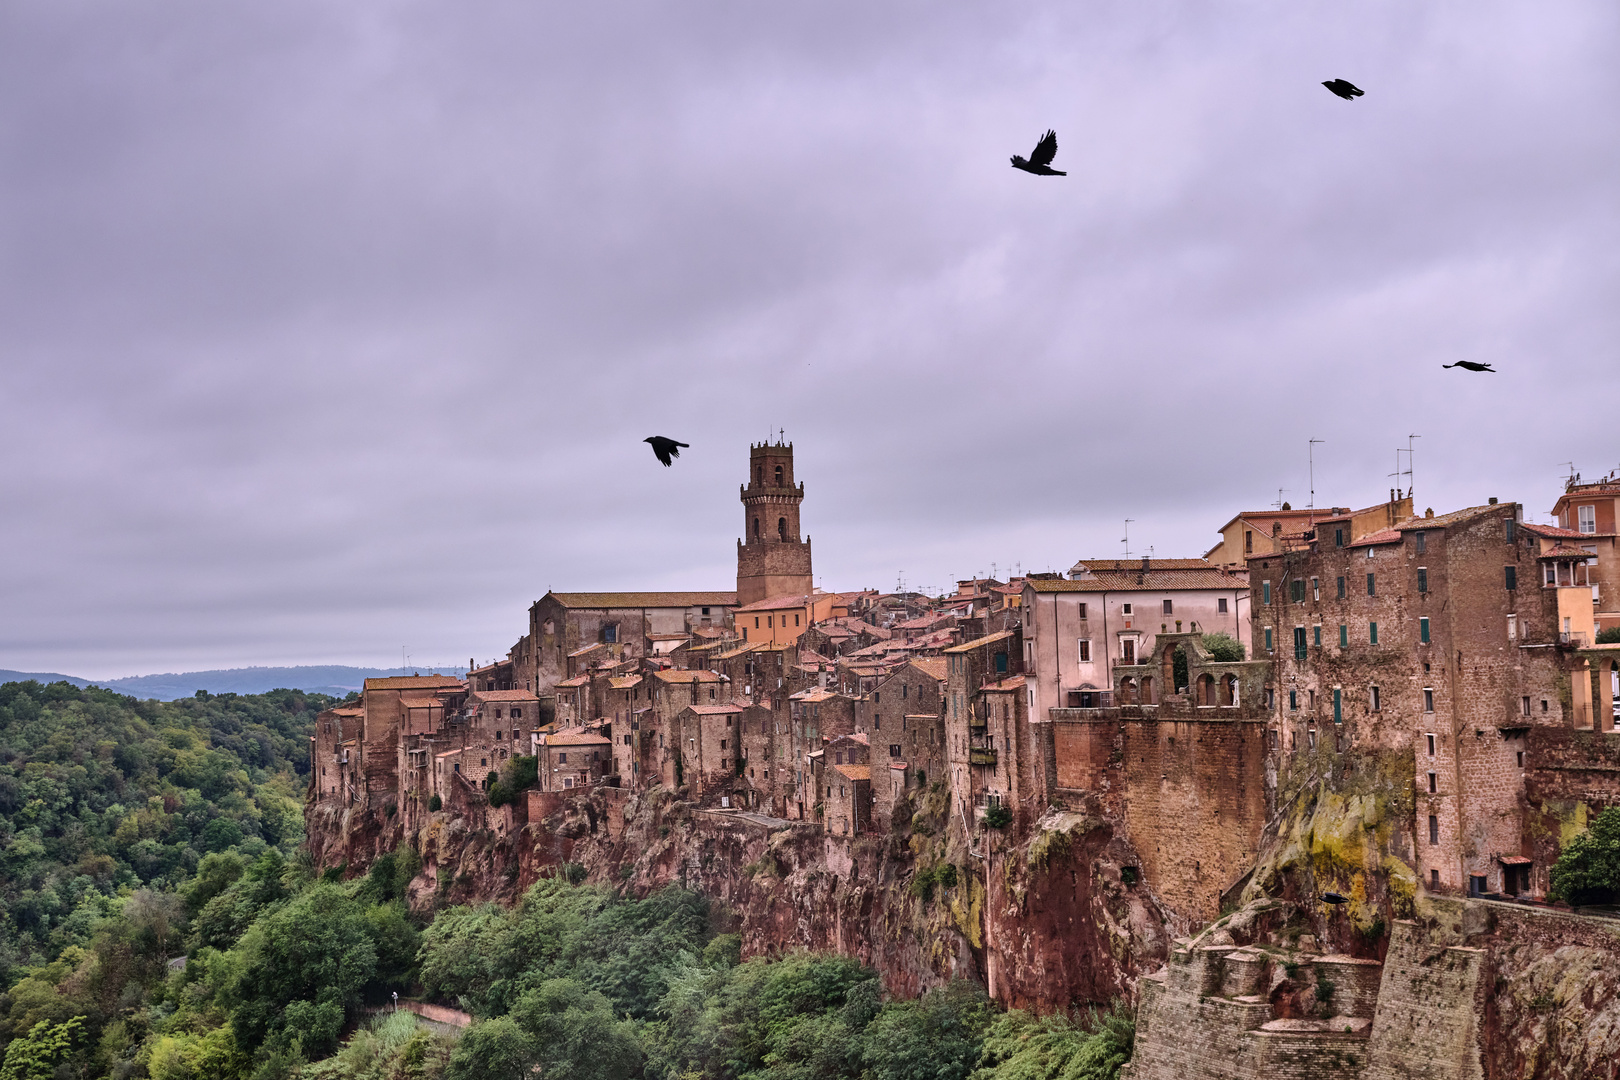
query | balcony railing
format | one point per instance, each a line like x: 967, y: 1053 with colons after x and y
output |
x: 981, y: 756
x: 1575, y: 638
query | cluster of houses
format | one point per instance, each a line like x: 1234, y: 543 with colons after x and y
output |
x: 1455, y: 637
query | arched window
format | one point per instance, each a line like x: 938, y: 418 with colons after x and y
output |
x: 779, y: 476
x: 781, y: 528
x: 756, y: 528
x: 759, y: 473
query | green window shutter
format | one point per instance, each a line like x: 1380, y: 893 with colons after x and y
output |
x: 1265, y: 592
x: 1423, y: 579
x: 1372, y: 633
x: 1338, y: 706
x: 1371, y: 591
x: 1268, y: 639
x: 1318, y: 635
x: 1423, y: 631
x: 1299, y: 643
x: 1344, y: 636
x: 1512, y: 575
x: 1341, y: 588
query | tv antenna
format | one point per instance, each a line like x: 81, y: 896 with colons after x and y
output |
x: 1279, y: 503
x: 1311, y: 452
x: 1127, y: 540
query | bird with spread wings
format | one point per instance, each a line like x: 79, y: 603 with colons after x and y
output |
x: 666, y: 448
x: 1040, y: 158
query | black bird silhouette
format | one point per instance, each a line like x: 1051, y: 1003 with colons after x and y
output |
x: 665, y: 448
x: 1344, y: 88
x: 1334, y: 898
x: 1040, y: 158
x: 1471, y: 365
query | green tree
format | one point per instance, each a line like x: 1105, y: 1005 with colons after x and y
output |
x: 1609, y: 636
x: 302, y: 968
x: 1223, y: 647
x: 36, y: 1055
x: 497, y: 1049
x: 935, y: 1037
x: 1093, y: 1046
x: 1588, y: 869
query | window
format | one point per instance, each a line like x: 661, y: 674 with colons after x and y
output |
x: 1549, y: 575
x: 894, y: 750
x: 1372, y: 633
x: 1512, y: 530
x: 610, y: 633
x: 1341, y: 588
x: 1434, y: 875
x: 756, y: 622
x: 1423, y: 579
x: 1338, y: 705
x: 1521, y: 758
x: 1338, y: 538
x: 1268, y: 639
x: 1543, y: 704
x: 562, y: 759
x: 1423, y: 630
x: 498, y: 734
x: 1085, y: 651
x: 781, y: 528
x: 770, y: 622
x: 1293, y: 701
x: 1434, y: 838
x: 1372, y: 589
x: 1371, y: 552
x: 1420, y: 541
x: 1316, y: 588
x: 1167, y: 608
x: 1083, y: 610
x: 1318, y: 632
x: 515, y: 714
x: 1511, y: 575
x: 1428, y: 706
x: 1299, y: 643
x: 1524, y: 704
x: 1586, y: 519
x: 1296, y: 589
x: 779, y: 476
x: 1375, y: 703
x: 1433, y: 786
x: 756, y: 528
x: 705, y: 611
x: 1311, y: 738
x: 795, y: 618
x: 1265, y: 592
x: 1126, y: 610
x: 1220, y: 605
x: 1430, y: 738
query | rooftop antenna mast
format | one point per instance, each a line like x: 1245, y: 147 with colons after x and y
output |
x: 1127, y: 540
x: 1311, y: 452
x: 1411, y: 456
x: 1279, y: 503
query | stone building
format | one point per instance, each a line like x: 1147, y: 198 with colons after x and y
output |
x: 772, y: 560
x: 573, y: 758
x: 1267, y: 532
x: 707, y: 747
x: 781, y: 620
x: 1442, y: 639
x: 988, y: 758
x: 903, y: 719
x: 566, y: 628
x: 1077, y: 631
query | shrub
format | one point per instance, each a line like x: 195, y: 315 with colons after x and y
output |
x: 1588, y: 869
x: 435, y: 804
x: 945, y: 874
x: 922, y: 885
x: 1223, y: 647
x: 1610, y: 636
x: 998, y: 816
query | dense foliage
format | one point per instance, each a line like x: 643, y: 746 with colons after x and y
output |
x: 1588, y: 869
x: 102, y: 794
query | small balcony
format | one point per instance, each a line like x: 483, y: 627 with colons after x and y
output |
x: 980, y: 755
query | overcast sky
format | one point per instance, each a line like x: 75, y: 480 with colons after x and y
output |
x: 332, y: 328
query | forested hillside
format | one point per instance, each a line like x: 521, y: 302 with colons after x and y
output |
x: 101, y: 793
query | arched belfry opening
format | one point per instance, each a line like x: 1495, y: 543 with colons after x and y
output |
x: 772, y: 564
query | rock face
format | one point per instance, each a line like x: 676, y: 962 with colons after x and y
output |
x: 1049, y: 919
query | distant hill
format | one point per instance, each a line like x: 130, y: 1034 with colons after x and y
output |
x: 335, y: 679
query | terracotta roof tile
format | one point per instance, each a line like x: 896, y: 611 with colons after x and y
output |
x: 855, y: 772
x: 504, y: 695
x: 412, y: 682
x: 688, y: 676
x: 1553, y: 532
x: 989, y: 639
x: 1382, y: 536
x: 713, y: 710
x: 1152, y: 581
x: 933, y: 666
x: 575, y: 738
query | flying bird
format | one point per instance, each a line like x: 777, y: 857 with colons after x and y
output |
x: 1334, y: 898
x: 666, y: 448
x: 1471, y: 365
x: 1040, y: 158
x: 1344, y: 88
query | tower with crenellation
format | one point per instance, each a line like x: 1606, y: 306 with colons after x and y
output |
x: 772, y: 560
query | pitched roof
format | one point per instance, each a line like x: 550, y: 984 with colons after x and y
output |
x: 613, y: 600
x: 989, y: 639
x: 412, y: 682
x: 1095, y: 565
x: 1553, y: 532
x: 1441, y: 521
x: 678, y: 677
x: 932, y: 666
x: 858, y: 736
x: 792, y: 600
x: 1154, y: 580
x: 624, y: 682
x: 577, y: 680
x: 713, y: 710
x: 746, y: 647
x: 583, y: 649
x: 814, y: 693
x: 504, y: 695
x: 575, y: 738
x: 855, y: 772
x: 1014, y: 682
x: 1564, y: 551
x: 1382, y: 536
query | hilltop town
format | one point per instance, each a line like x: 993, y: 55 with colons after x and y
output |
x: 1412, y: 706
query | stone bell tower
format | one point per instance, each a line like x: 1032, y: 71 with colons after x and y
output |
x: 771, y: 558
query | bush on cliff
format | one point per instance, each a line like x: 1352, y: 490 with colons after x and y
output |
x: 1588, y: 869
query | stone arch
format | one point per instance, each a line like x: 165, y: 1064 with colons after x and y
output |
x: 781, y: 528
x: 1127, y: 691
x: 756, y: 528
x: 1206, y: 689
x: 779, y: 476
x: 1147, y: 690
